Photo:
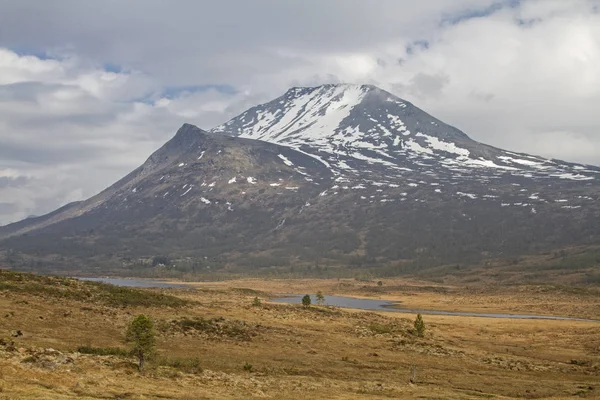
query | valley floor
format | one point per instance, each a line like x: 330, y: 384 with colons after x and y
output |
x: 220, y: 345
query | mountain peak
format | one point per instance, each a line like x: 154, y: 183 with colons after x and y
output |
x: 311, y: 113
x: 330, y: 86
x: 186, y: 135
x: 339, y: 91
x: 342, y: 117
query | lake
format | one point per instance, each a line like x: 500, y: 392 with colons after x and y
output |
x: 339, y: 301
x: 382, y: 305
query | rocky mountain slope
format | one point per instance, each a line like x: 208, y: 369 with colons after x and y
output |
x: 336, y: 175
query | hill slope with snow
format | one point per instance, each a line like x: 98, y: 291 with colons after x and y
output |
x: 332, y: 175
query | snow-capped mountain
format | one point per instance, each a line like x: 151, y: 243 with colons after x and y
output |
x: 363, y: 133
x: 367, y: 124
x: 334, y: 174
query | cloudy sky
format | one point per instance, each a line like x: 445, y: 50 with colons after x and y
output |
x: 88, y: 89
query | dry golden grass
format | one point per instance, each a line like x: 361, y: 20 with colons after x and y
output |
x: 319, y: 352
x: 578, y: 302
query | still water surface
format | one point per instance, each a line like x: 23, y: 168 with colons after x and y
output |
x: 382, y: 305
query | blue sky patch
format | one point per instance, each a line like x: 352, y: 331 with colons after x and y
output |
x: 25, y: 51
x: 417, y: 45
x: 480, y: 13
x: 109, y: 67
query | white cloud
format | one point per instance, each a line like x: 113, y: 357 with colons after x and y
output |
x: 522, y: 76
x: 69, y: 129
x: 516, y: 85
x: 17, y: 68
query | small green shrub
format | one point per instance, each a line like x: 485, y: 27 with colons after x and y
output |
x: 320, y: 298
x: 306, y: 301
x: 248, y: 367
x: 104, y: 351
x: 187, y: 365
x: 215, y: 326
x: 256, y: 302
x: 419, y: 326
x: 380, y: 329
x: 247, y: 291
x: 198, y: 324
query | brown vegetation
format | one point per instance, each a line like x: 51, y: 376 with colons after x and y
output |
x: 220, y: 345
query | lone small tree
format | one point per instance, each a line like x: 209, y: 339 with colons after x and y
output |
x: 141, y: 333
x: 306, y: 301
x: 256, y: 302
x: 419, y: 326
x: 320, y: 298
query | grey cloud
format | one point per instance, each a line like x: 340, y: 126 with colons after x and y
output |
x: 8, y: 208
x: 41, y: 154
x: 482, y: 96
x: 12, y: 182
x: 24, y: 91
x: 478, y: 75
x: 426, y: 85
x: 173, y: 41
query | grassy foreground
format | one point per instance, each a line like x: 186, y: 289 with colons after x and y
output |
x: 214, y: 344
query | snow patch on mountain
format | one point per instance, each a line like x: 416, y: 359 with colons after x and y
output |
x: 361, y: 133
x: 285, y: 160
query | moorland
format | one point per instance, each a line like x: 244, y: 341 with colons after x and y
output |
x: 63, y: 338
